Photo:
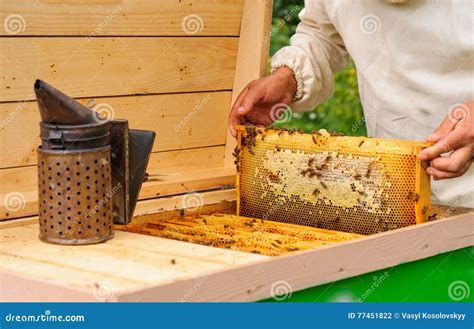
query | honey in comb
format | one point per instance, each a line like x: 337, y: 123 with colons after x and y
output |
x: 237, y: 233
x: 352, y: 184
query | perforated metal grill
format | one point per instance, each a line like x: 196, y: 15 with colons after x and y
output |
x: 352, y: 184
x: 75, y: 196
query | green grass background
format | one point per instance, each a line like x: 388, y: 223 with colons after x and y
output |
x: 343, y: 111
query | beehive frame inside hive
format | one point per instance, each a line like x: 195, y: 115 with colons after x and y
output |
x: 226, y: 230
x: 352, y: 184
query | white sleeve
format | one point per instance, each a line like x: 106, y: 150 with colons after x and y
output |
x: 315, y: 53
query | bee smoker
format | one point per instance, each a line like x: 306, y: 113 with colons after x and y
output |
x: 90, y: 170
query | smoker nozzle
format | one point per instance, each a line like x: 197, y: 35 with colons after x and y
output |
x: 58, y: 108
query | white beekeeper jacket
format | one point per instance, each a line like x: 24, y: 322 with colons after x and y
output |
x: 414, y: 59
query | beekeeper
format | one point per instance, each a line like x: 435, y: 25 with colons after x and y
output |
x: 415, y: 68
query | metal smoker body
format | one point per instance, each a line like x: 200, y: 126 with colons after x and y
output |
x: 89, y: 175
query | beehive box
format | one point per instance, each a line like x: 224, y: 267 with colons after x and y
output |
x: 174, y: 68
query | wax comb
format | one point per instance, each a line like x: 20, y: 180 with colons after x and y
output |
x: 352, y: 184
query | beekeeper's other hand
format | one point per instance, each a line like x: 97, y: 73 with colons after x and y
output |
x: 263, y: 100
x: 453, y: 152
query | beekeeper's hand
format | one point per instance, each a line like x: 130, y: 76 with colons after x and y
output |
x: 262, y: 101
x: 455, y: 136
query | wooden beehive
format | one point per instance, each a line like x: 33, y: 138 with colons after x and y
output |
x: 174, y: 68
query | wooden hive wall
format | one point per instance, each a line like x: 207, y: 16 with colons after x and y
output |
x: 167, y: 66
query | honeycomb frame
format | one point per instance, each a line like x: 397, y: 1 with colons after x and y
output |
x: 353, y: 184
x: 238, y: 233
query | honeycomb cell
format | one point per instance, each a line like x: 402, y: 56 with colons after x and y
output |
x: 352, y: 184
x: 237, y: 233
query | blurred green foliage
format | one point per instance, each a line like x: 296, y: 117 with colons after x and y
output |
x: 343, y: 111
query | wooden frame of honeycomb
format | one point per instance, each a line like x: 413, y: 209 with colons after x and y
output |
x: 224, y: 230
x: 352, y: 184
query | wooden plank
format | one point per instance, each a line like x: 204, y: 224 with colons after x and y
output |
x: 20, y: 185
x: 319, y: 266
x: 28, y: 266
x: 181, y: 121
x: 121, y: 17
x: 212, y: 201
x: 254, y: 280
x: 116, y: 66
x: 171, y: 248
x: 18, y: 222
x: 252, y: 55
x: 130, y: 262
x: 165, y: 163
x: 15, y: 287
x: 179, y: 201
x: 187, y: 182
x: 164, y: 168
x: 160, y: 166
